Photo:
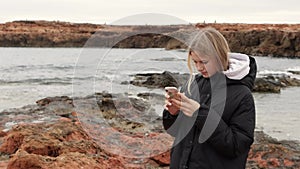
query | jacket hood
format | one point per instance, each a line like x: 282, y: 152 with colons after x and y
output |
x: 239, y: 66
x: 242, y: 70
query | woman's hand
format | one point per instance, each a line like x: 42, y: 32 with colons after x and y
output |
x: 172, y: 108
x: 187, y: 105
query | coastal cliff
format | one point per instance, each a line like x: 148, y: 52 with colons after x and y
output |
x: 45, y: 34
x: 278, y: 40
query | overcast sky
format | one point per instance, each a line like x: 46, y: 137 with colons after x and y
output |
x: 193, y: 11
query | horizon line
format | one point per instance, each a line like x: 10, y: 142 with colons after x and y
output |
x: 148, y: 24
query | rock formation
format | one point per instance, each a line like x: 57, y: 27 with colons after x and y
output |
x: 45, y: 34
x: 280, y: 40
x: 32, y: 137
x: 264, y: 83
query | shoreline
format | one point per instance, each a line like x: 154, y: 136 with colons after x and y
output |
x: 49, y: 133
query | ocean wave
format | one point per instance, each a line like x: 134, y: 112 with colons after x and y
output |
x: 273, y: 73
x: 168, y: 59
x: 38, y: 67
x: 290, y: 73
x: 294, y: 70
x: 46, y: 81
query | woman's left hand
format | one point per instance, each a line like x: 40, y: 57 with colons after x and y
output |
x: 187, y: 105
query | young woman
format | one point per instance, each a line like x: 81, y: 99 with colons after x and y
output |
x: 213, y: 117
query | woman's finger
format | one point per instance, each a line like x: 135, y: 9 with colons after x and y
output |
x: 177, y: 106
x: 167, y: 102
x: 183, y: 97
x: 167, y: 96
x: 166, y: 107
x: 176, y: 103
x: 181, y: 103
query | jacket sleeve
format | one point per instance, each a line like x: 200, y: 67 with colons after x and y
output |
x: 168, y: 120
x: 236, y: 137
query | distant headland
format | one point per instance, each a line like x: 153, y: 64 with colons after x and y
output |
x: 278, y: 40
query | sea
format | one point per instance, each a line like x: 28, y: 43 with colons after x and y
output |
x: 30, y: 74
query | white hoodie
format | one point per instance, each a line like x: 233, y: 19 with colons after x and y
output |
x: 238, y: 66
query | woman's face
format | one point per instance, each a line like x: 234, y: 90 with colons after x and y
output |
x: 205, y: 65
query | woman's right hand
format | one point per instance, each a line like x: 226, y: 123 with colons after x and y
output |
x: 172, y: 108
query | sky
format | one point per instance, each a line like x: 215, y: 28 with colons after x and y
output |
x: 190, y: 11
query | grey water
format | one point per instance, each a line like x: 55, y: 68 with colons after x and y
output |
x: 29, y: 74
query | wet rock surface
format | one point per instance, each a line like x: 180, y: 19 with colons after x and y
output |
x: 159, y: 80
x: 100, y: 131
x: 265, y: 83
x: 267, y: 152
x: 106, y: 131
x: 273, y: 83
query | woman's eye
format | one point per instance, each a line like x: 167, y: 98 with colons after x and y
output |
x: 201, y: 62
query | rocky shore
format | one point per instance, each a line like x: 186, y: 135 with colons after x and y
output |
x: 121, y: 130
x: 63, y: 132
x: 272, y: 83
x: 279, y: 40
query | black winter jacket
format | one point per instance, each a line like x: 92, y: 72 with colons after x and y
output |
x: 228, y: 145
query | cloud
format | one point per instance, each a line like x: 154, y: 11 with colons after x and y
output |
x: 190, y: 10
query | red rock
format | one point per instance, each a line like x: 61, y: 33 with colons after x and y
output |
x: 162, y: 159
x: 3, y: 164
x: 269, y: 153
x: 274, y: 162
x: 73, y: 113
x: 65, y: 144
x: 24, y: 160
x: 288, y: 163
x: 77, y: 123
x: 65, y: 119
x: 12, y: 142
x: 44, y: 146
x: 2, y: 133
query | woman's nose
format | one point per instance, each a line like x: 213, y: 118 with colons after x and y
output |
x: 199, y: 66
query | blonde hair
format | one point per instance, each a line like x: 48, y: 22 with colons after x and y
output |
x: 210, y: 43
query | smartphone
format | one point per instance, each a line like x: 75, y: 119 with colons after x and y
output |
x: 171, y: 91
